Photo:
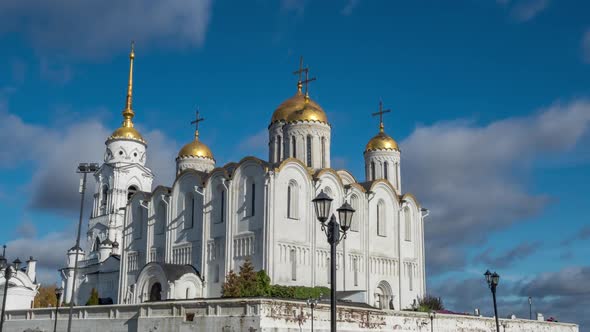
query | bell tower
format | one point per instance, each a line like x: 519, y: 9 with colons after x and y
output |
x: 122, y: 174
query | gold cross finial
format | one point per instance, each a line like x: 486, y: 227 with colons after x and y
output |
x: 128, y: 113
x: 300, y: 71
x: 306, y: 82
x: 196, y: 123
x: 380, y: 113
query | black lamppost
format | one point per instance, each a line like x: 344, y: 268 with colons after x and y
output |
x: 10, y: 271
x: 322, y: 204
x: 432, y: 315
x: 312, y: 303
x: 84, y: 169
x: 58, y: 292
x: 530, y: 308
x: 493, y: 280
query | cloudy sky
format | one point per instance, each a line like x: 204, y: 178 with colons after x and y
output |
x: 490, y: 100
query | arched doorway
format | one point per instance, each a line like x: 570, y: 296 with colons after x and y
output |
x: 383, y: 296
x: 156, y: 292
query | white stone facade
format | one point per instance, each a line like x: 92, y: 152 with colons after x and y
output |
x: 22, y: 287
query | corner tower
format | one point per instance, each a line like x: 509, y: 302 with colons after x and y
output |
x: 299, y: 128
x: 382, y: 156
x: 122, y: 174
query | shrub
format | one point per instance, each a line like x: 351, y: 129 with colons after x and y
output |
x: 93, y: 300
x: 430, y: 302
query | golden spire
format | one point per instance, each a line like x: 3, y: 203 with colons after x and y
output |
x: 196, y: 123
x: 128, y: 111
x: 380, y: 113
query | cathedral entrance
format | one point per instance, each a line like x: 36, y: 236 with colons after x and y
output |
x: 156, y: 292
x: 383, y: 296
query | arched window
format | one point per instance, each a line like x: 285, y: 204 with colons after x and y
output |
x: 323, y: 152
x: 156, y: 292
x: 189, y: 210
x: 381, y: 218
x: 130, y: 191
x: 373, y: 170
x: 279, y: 147
x: 252, y: 194
x: 385, y: 170
x: 138, y: 222
x: 160, y: 224
x: 104, y: 198
x: 408, y: 224
x: 96, y: 244
x: 221, y: 205
x: 309, y: 150
x: 293, y: 200
x: 354, y: 202
x: 294, y: 147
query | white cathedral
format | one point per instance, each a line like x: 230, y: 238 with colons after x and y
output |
x: 179, y: 242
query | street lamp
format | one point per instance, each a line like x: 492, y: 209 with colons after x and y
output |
x: 58, y: 292
x: 312, y: 303
x: 10, y: 271
x: 432, y: 315
x: 322, y: 203
x: 530, y: 308
x: 493, y: 279
x: 84, y: 169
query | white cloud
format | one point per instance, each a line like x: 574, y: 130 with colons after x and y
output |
x: 255, y: 145
x: 473, y: 178
x: 526, y: 10
x: 93, y: 28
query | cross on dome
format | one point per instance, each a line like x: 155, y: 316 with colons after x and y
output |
x: 196, y: 123
x: 380, y: 113
x: 307, y: 80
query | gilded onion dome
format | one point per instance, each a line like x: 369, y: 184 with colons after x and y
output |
x: 126, y: 131
x: 381, y: 141
x: 299, y: 108
x: 196, y: 148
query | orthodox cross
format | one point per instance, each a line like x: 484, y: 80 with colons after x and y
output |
x: 196, y: 123
x: 307, y: 80
x: 380, y: 113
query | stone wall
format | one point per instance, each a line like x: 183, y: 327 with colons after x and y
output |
x: 227, y: 315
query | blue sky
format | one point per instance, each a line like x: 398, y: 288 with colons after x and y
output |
x: 490, y: 100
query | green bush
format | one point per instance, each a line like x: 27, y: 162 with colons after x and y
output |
x: 249, y: 283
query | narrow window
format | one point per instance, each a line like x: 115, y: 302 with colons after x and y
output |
x: 354, y: 202
x: 411, y: 276
x: 381, y: 218
x: 385, y: 174
x: 328, y: 269
x: 103, y: 202
x: 216, y: 279
x: 160, y: 218
x: 408, y: 224
x: 96, y: 244
x: 294, y: 148
x: 372, y: 170
x: 279, y: 145
x: 293, y: 265
x: 309, y: 151
x: 253, y: 198
x: 289, y: 202
x: 356, y: 270
x: 292, y: 200
x: 138, y: 223
x: 323, y: 152
x: 189, y: 210
x: 222, y: 206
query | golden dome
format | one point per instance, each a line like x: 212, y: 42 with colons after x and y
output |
x: 297, y: 108
x: 195, y: 149
x: 127, y: 133
x: 381, y: 141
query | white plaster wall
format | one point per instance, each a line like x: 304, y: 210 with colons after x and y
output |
x: 229, y: 315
